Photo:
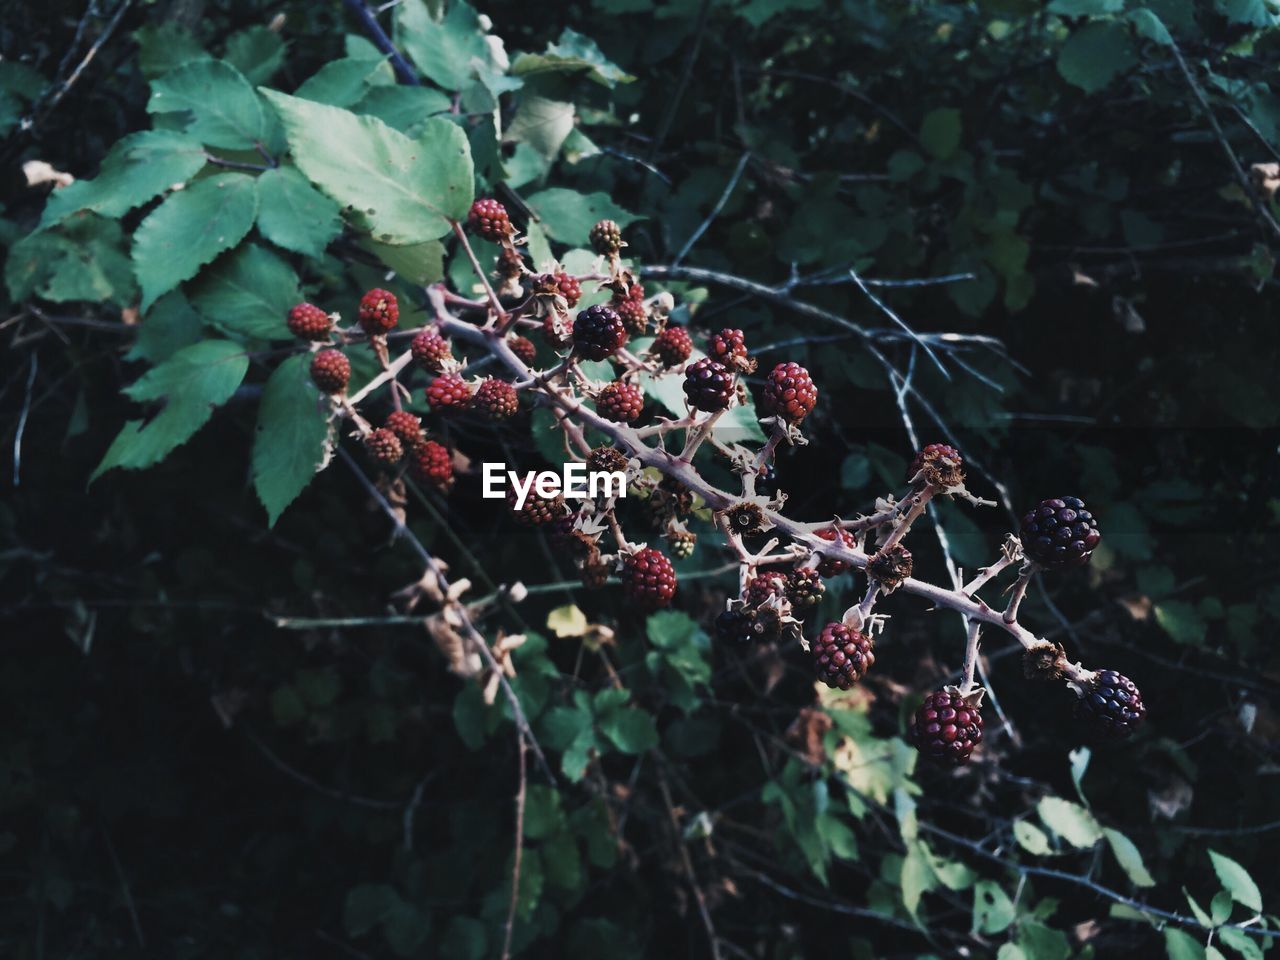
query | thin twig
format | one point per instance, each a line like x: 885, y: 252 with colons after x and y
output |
x: 715, y: 211
x: 22, y: 422
x: 404, y: 72
x: 519, y: 847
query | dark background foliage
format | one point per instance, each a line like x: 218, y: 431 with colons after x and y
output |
x: 182, y: 777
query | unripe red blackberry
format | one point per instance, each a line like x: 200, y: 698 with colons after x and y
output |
x: 383, y: 446
x: 681, y: 543
x: 735, y: 626
x: 672, y: 346
x: 309, y: 322
x: 635, y: 291
x: 946, y: 728
x: 1059, y: 532
x: 488, y: 219
x: 805, y: 589
x: 789, y: 392
x: 771, y: 583
x: 430, y: 350
x: 431, y: 463
x: 832, y: 567
x: 708, y: 386
x: 379, y: 312
x: 523, y: 348
x: 497, y: 398
x: 939, y: 464
x: 405, y: 426
x: 606, y: 238
x: 842, y: 656
x: 1111, y: 708
x: 607, y: 460
x: 620, y: 402
x: 449, y: 393
x: 537, y: 510
x: 727, y: 346
x: 634, y: 316
x: 598, y: 331
x: 648, y: 579
x: 569, y: 288
x: 331, y: 371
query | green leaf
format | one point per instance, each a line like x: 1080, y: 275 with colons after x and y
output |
x: 568, y: 216
x: 257, y: 52
x: 541, y: 123
x: 405, y: 108
x: 405, y: 191
x: 572, y: 53
x: 993, y: 911
x: 446, y: 49
x: 1031, y: 838
x: 420, y: 263
x: 940, y: 132
x: 367, y: 906
x: 295, y: 215
x: 1237, y: 881
x: 543, y: 815
x: 917, y: 878
x: 166, y: 47
x: 1220, y: 907
x: 291, y: 441
x: 1251, y: 13
x: 1095, y: 55
x: 191, y: 228
x: 1150, y: 26
x: 248, y: 293
x: 340, y: 83
x: 1180, y: 945
x: 222, y: 109
x: 1241, y: 942
x: 1010, y: 951
x: 171, y: 324
x: 1085, y: 8
x: 1129, y: 858
x: 1182, y: 621
x: 631, y: 729
x: 192, y: 383
x: 139, y: 167
x: 1070, y: 821
x: 83, y: 259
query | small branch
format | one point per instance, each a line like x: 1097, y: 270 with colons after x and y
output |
x: 1010, y: 614
x: 460, y: 232
x: 519, y: 848
x: 715, y: 211
x: 970, y: 656
x: 404, y: 72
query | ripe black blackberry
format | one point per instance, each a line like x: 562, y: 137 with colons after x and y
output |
x: 309, y: 322
x: 431, y: 463
x: 497, y: 398
x: 805, y: 589
x: 832, y: 567
x: 523, y: 348
x: 331, y: 371
x: 1059, y: 532
x: 938, y: 464
x: 606, y: 238
x: 842, y: 656
x: 1111, y: 708
x: 430, y: 350
x: 634, y: 316
x: 383, y: 446
x: 672, y: 346
x: 947, y: 727
x: 449, y: 393
x: 405, y: 426
x: 620, y: 402
x: 708, y: 386
x: 537, y: 510
x: 379, y: 312
x: 771, y: 583
x: 890, y: 566
x: 735, y: 626
x: 789, y: 392
x: 598, y: 331
x: 648, y: 579
x: 607, y: 460
x: 488, y: 218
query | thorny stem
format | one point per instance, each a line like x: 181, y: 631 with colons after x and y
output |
x: 1010, y: 614
x: 494, y: 302
x: 970, y: 656
x: 987, y: 574
x: 519, y: 845
x: 918, y: 506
